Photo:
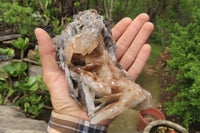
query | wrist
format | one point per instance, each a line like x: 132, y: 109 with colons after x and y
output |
x: 66, y: 123
x: 81, y: 115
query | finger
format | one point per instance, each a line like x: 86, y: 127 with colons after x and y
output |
x: 125, y: 40
x: 137, y: 67
x: 120, y: 27
x: 141, y: 38
x: 47, y: 51
x: 53, y: 76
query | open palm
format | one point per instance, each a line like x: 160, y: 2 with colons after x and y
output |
x: 132, y: 53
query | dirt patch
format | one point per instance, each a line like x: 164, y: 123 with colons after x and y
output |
x: 149, y: 118
x: 166, y: 80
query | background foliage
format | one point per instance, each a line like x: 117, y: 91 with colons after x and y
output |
x: 16, y: 88
x: 185, y: 64
x: 177, y: 28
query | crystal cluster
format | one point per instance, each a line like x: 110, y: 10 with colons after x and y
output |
x: 86, y: 52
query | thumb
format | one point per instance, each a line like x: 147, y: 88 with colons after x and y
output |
x: 47, y: 51
x: 54, y: 77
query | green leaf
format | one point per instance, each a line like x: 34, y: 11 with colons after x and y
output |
x: 33, y: 110
x: 26, y: 44
x: 41, y: 105
x: 21, y: 101
x: 2, y: 78
x: 15, y: 68
x: 21, y: 43
x: 8, y: 69
x: 11, y: 91
x: 3, y: 86
x: 7, y: 52
x: 39, y: 78
x: 23, y: 66
x: 69, y: 19
x: 77, y: 4
x: 34, y: 88
x: 34, y: 98
x: 31, y: 81
x: 1, y: 99
x: 26, y: 106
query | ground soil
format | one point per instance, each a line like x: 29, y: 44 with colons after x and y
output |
x: 149, y: 118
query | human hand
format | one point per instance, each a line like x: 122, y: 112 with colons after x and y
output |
x: 55, y: 79
x: 131, y: 36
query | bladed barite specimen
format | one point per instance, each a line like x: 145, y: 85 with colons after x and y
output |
x: 86, y: 52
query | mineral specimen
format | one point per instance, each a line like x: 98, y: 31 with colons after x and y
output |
x: 86, y: 52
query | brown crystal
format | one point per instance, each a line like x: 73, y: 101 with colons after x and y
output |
x: 86, y: 52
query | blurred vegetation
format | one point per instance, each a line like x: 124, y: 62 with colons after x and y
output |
x: 185, y: 65
x: 176, y: 25
x: 29, y: 93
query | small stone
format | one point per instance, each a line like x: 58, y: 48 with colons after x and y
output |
x: 11, y: 111
x: 31, y: 54
x: 150, y: 118
x: 34, y: 70
x: 22, y: 123
x: 12, y: 120
x: 8, y: 42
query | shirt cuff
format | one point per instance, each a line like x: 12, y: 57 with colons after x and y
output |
x: 60, y: 123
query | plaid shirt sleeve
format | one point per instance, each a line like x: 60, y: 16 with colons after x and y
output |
x: 59, y: 123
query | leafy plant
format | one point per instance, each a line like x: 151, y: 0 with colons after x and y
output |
x: 33, y: 95
x: 50, y: 14
x: 37, y: 56
x: 21, y: 44
x: 185, y: 53
x: 56, y: 25
x: 69, y: 19
x: 30, y: 93
x: 21, y: 18
x: 6, y: 91
x: 15, y: 69
x: 77, y: 4
x: 8, y: 52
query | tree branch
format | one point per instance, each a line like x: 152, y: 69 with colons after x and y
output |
x: 106, y: 10
x: 41, y: 6
x: 31, y: 61
x: 111, y: 12
x: 48, y: 107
